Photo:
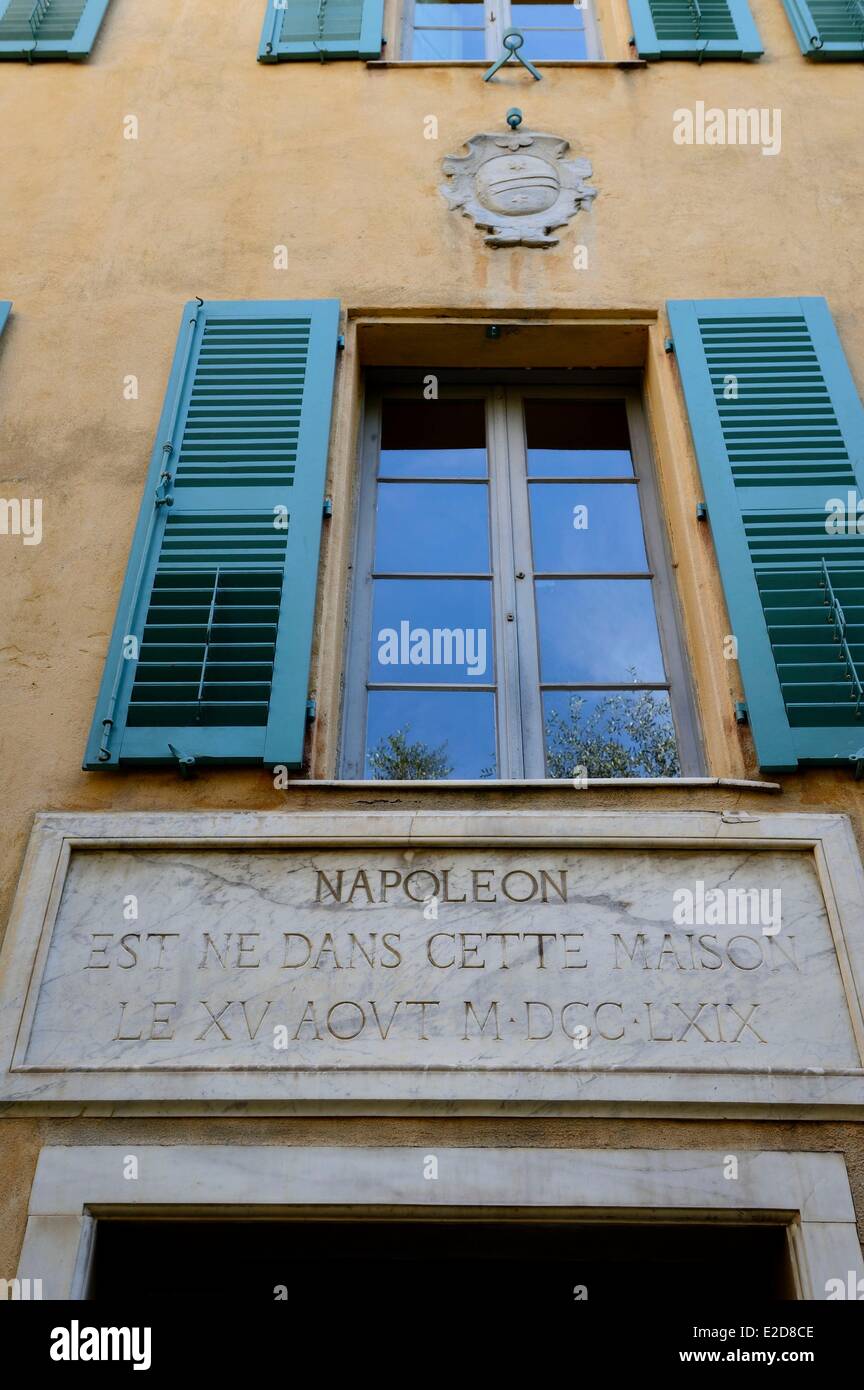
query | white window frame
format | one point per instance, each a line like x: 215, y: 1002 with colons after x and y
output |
x: 496, y: 23
x: 807, y: 1194
x: 516, y: 673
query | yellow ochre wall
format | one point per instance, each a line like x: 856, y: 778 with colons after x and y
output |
x: 102, y: 241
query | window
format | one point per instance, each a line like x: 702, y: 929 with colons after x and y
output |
x: 49, y: 28
x: 300, y: 30
x: 685, y: 29
x: 828, y: 30
x: 513, y: 613
x: 454, y: 30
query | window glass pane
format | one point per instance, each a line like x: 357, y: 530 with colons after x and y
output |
x: 433, y: 439
x: 432, y: 527
x: 587, y: 527
x: 598, y: 631
x: 577, y: 439
x: 417, y: 735
x: 447, y: 45
x: 563, y: 44
x: 457, y: 14
x: 563, y: 16
x: 610, y: 733
x: 432, y: 632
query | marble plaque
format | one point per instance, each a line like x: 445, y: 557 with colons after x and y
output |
x: 240, y: 966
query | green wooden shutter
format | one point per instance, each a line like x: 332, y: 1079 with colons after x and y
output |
x: 297, y: 29
x: 778, y: 429
x: 694, y: 29
x: 828, y: 29
x: 209, y: 658
x: 49, y: 28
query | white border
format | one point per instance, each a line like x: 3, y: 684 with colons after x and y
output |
x: 813, y: 1092
x: 808, y: 1193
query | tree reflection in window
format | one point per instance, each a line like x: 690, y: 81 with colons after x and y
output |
x: 618, y: 734
x: 397, y: 758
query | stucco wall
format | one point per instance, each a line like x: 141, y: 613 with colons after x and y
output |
x: 103, y: 240
x: 108, y: 237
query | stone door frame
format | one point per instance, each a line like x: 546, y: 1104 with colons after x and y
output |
x: 75, y: 1186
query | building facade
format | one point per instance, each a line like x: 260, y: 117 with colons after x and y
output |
x: 433, y: 641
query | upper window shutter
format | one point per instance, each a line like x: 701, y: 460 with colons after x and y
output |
x: 49, y: 28
x: 778, y: 429
x: 5, y: 307
x: 210, y: 653
x: 321, y: 29
x: 828, y: 29
x: 695, y: 29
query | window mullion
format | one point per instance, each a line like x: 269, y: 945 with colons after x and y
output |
x: 593, y: 47
x: 406, y: 27
x: 360, y: 631
x: 527, y: 647
x: 510, y: 763
x: 497, y: 19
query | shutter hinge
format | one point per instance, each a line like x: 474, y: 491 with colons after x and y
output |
x: 185, y: 760
x: 340, y: 343
x: 668, y: 345
x: 741, y: 713
x: 328, y: 507
x: 311, y: 710
x: 857, y: 759
x: 104, y: 750
x: 165, y: 479
x: 701, y: 511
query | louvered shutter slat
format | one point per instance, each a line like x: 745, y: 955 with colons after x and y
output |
x: 220, y: 591
x: 297, y: 29
x: 778, y: 430
x: 49, y: 28
x: 828, y: 29
x: 694, y: 29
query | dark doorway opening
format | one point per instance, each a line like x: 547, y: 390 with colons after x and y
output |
x: 382, y: 1262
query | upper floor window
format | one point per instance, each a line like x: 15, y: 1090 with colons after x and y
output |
x: 49, y: 28
x: 454, y: 30
x: 513, y: 611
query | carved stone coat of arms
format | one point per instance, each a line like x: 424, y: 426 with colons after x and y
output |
x: 518, y: 186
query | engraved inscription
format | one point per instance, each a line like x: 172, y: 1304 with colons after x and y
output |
x: 532, y: 959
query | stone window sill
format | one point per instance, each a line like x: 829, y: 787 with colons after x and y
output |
x: 602, y: 784
x: 486, y: 63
